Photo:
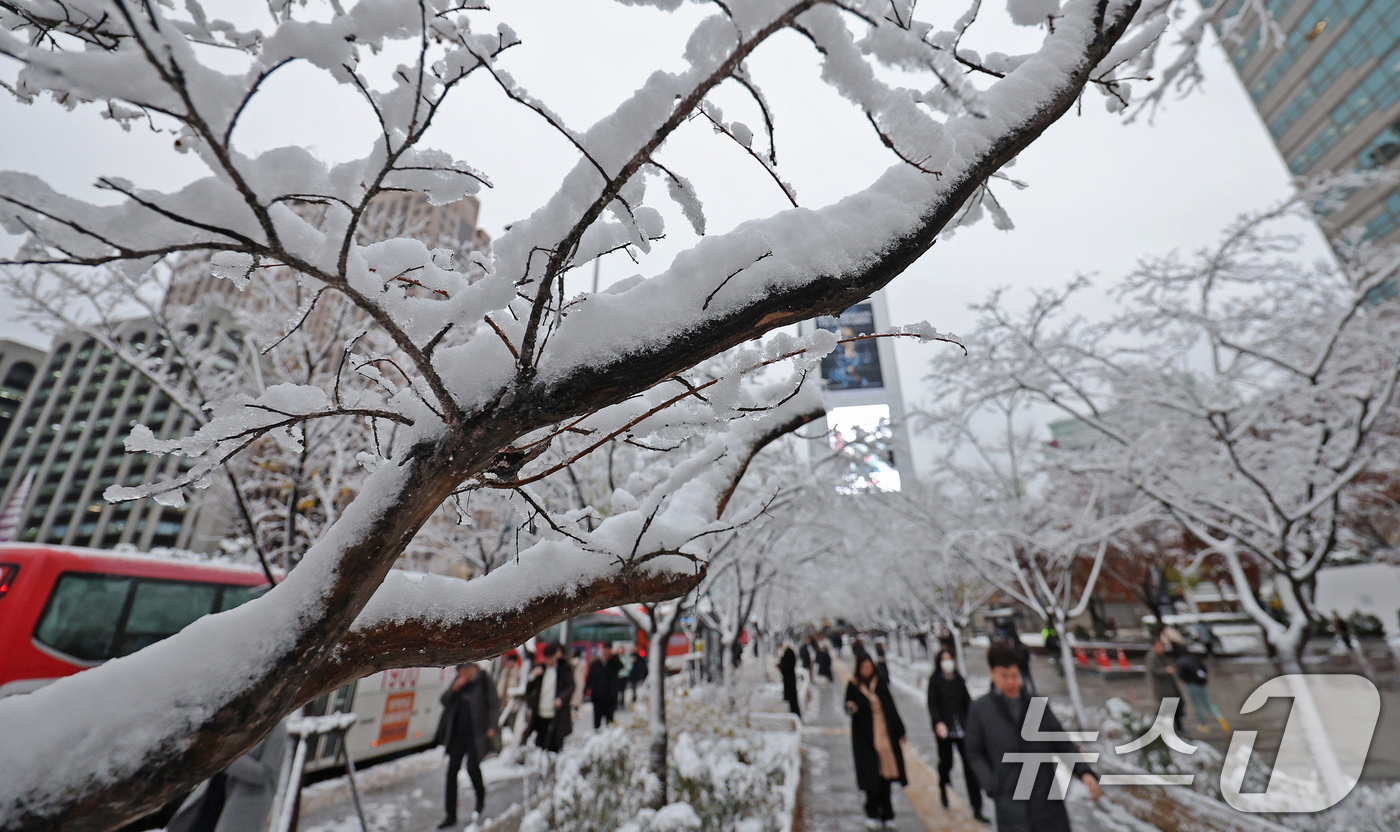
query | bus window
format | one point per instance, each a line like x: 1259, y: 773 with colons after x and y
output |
x: 82, y: 614
x: 161, y: 609
x: 237, y: 596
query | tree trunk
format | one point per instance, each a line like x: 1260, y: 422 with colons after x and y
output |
x: 957, y: 648
x: 1076, y: 700
x: 657, y: 751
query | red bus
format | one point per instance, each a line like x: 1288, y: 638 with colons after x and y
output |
x: 64, y: 609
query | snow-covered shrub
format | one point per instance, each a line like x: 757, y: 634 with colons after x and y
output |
x: 1367, y: 809
x: 725, y: 782
x: 601, y: 782
x: 1123, y: 723
x: 722, y: 777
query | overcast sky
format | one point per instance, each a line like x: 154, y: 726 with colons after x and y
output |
x: 1101, y: 193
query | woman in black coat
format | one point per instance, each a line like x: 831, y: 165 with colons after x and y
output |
x: 787, y: 669
x: 876, y: 730
x: 470, y: 711
x: 948, y: 701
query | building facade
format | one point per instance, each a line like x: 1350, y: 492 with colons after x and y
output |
x: 69, y: 429
x: 19, y: 364
x: 1329, y: 95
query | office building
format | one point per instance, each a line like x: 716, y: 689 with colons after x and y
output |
x: 69, y: 429
x: 19, y: 363
x: 1329, y: 95
x: 71, y: 423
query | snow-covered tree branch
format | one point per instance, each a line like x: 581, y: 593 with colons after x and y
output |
x: 482, y: 371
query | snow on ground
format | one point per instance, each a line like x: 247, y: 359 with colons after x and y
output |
x: 384, y: 775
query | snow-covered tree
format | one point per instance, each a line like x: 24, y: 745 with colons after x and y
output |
x: 1026, y: 523
x: 490, y: 368
x: 1242, y: 390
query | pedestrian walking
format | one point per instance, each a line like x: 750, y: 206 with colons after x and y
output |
x: 548, y: 695
x: 948, y: 702
x: 946, y: 641
x: 787, y: 669
x: 470, y: 711
x: 580, y: 668
x: 823, y: 661
x: 239, y: 797
x: 994, y: 730
x: 1023, y: 662
x: 1161, y: 670
x: 638, y: 674
x: 602, y: 684
x: 1191, y: 671
x: 882, y: 667
x: 804, y: 654
x: 876, y: 730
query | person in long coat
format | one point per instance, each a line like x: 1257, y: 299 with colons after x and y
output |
x: 823, y: 661
x: 948, y: 701
x: 601, y: 686
x: 549, y: 694
x: 1161, y: 671
x: 637, y: 674
x: 787, y: 668
x: 876, y: 730
x: 239, y: 797
x: 471, y: 709
x: 994, y: 725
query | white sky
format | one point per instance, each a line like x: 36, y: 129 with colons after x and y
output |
x: 1102, y: 194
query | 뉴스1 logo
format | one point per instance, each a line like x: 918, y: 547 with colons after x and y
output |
x: 1342, y: 708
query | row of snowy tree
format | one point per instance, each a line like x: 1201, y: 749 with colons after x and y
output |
x: 1232, y: 415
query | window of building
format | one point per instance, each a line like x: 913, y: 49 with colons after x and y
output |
x: 18, y: 377
x: 1379, y: 91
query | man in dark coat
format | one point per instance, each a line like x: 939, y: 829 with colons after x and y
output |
x: 1161, y: 670
x: 948, y: 701
x: 994, y: 729
x: 879, y: 759
x: 804, y: 654
x: 823, y: 661
x: 470, y: 711
x: 601, y: 686
x: 548, y: 695
x: 787, y: 668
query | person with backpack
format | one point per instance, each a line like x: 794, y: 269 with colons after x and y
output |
x: 1191, y: 672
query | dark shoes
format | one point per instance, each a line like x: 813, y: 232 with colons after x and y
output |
x: 943, y: 796
x: 981, y: 817
x: 447, y: 823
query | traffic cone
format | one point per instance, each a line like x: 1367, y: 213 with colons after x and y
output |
x: 1101, y: 656
x: 1080, y: 657
x: 1122, y: 659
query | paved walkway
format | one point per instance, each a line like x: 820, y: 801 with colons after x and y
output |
x: 831, y: 802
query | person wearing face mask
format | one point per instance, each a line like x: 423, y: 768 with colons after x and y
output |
x: 948, y: 701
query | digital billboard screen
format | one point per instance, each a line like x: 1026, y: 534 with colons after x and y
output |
x: 854, y: 365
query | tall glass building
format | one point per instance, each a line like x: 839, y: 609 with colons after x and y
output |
x: 1329, y: 94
